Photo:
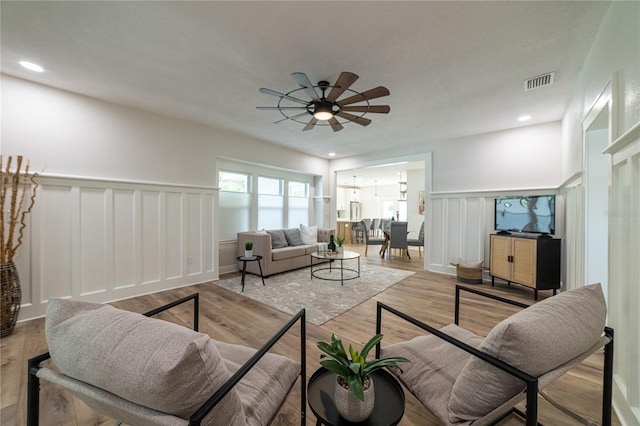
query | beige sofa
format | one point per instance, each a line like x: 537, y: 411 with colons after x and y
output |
x: 276, y: 260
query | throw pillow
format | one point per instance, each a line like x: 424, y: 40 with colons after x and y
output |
x: 293, y: 237
x: 150, y: 362
x: 535, y: 340
x: 278, y: 239
x: 309, y: 234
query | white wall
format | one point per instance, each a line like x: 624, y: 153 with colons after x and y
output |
x: 526, y: 157
x: 123, y: 188
x: 616, y: 49
x: 613, y: 66
x: 63, y: 133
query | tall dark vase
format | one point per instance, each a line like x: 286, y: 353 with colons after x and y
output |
x: 10, y: 298
x: 332, y: 245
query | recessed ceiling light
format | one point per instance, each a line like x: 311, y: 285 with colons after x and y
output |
x: 524, y: 118
x: 31, y: 66
x: 332, y: 154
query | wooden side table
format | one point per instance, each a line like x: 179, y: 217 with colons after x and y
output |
x: 388, y: 409
x: 244, y: 261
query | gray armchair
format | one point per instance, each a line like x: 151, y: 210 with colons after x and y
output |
x: 148, y: 372
x: 465, y: 379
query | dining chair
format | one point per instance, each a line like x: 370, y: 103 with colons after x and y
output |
x: 418, y: 242
x: 398, y: 238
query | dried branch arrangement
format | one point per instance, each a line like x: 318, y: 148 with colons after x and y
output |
x: 17, y: 197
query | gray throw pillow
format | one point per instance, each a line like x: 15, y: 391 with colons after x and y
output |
x: 278, y: 239
x: 293, y: 237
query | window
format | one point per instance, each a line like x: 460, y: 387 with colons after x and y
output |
x: 270, y: 203
x: 298, y: 211
x: 235, y: 204
x: 233, y: 181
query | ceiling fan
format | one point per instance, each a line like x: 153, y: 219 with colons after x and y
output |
x: 324, y: 108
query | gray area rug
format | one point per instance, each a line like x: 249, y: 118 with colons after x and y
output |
x: 323, y: 300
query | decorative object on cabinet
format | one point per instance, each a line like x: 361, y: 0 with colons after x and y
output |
x: 529, y: 261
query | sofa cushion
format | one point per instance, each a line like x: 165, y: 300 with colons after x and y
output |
x: 278, y: 239
x: 150, y: 362
x: 535, y: 340
x: 293, y: 237
x: 288, y: 252
x: 324, y: 234
x: 309, y: 234
x: 265, y: 386
x: 436, y: 359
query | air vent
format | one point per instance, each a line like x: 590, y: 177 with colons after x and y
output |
x: 539, y: 81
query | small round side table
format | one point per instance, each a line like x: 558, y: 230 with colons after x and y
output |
x: 388, y: 409
x: 244, y: 261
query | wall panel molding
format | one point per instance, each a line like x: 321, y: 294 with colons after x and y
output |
x: 106, y: 240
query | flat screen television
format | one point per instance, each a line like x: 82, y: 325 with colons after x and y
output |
x: 534, y: 214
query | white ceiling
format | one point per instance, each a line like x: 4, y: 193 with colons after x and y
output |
x: 453, y: 68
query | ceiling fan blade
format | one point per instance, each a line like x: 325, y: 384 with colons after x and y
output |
x: 360, y: 120
x: 290, y: 118
x: 282, y: 95
x: 306, y: 84
x: 279, y: 108
x: 311, y: 124
x: 335, y: 125
x: 380, y: 109
x: 345, y: 80
x: 376, y: 92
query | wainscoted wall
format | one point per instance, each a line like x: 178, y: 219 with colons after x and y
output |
x: 100, y: 240
x: 460, y: 224
x: 458, y: 229
x: 624, y: 270
x: 573, y: 244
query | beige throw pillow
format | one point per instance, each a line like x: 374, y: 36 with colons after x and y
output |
x: 535, y: 340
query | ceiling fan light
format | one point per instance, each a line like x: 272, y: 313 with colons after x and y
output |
x: 323, y: 114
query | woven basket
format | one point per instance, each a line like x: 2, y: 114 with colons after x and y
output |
x: 10, y: 298
x: 469, y: 275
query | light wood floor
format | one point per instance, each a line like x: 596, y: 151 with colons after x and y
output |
x: 230, y: 317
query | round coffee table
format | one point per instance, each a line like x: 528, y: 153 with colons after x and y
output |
x: 333, y: 257
x: 387, y: 411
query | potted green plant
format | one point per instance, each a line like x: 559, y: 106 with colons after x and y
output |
x: 248, y: 249
x: 340, y: 241
x: 354, y: 394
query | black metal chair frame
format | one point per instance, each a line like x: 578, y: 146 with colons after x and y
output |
x: 33, y: 381
x: 531, y: 415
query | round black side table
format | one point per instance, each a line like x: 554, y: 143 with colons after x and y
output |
x: 244, y: 261
x: 387, y: 411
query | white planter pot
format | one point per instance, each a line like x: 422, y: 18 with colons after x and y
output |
x: 350, y: 407
x: 340, y: 249
x: 248, y: 253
